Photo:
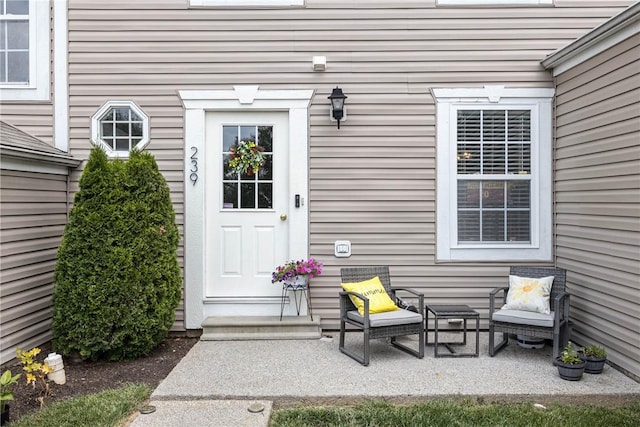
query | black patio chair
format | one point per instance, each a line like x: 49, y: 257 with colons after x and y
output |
x: 554, y: 326
x: 381, y: 325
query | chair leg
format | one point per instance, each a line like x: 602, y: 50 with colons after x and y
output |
x: 421, y: 345
x: 493, y: 349
x: 491, y: 340
x: 419, y: 353
x: 362, y: 359
x: 560, y: 339
x: 367, y: 347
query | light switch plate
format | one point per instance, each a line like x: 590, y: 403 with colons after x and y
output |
x: 342, y: 248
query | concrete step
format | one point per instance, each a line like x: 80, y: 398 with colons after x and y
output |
x: 230, y: 328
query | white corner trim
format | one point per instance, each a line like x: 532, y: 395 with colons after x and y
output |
x: 60, y: 76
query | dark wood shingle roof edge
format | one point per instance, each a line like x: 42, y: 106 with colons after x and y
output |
x: 19, y: 144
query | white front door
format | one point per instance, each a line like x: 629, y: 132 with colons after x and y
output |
x: 232, y: 241
x: 246, y: 214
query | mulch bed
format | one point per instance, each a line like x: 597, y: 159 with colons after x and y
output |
x: 85, y: 377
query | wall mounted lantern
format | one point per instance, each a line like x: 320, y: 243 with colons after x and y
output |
x: 338, y: 110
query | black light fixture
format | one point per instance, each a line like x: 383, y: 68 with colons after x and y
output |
x: 337, y: 105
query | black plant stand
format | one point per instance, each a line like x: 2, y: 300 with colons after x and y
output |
x: 299, y: 291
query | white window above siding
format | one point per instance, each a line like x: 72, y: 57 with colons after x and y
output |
x: 494, y: 174
x: 491, y: 2
x: 244, y: 3
x: 118, y: 127
x: 24, y: 50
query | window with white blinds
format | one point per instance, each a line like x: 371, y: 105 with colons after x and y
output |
x: 494, y: 174
x: 493, y: 159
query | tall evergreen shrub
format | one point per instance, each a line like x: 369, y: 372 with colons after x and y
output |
x: 117, y: 278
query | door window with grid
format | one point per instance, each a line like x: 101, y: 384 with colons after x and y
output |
x: 247, y: 190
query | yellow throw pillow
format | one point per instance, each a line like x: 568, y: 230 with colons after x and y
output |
x: 379, y: 301
x: 529, y: 294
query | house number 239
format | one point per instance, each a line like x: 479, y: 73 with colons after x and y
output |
x: 194, y: 165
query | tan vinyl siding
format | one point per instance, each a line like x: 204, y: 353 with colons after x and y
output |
x: 35, y: 119
x: 371, y: 182
x: 598, y: 198
x: 33, y: 208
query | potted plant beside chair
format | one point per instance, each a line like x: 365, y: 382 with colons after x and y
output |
x: 570, y: 366
x: 595, y: 357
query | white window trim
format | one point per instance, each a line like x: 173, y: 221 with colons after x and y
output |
x: 95, y: 128
x: 38, y: 88
x: 447, y: 101
x: 245, y: 3
x: 492, y: 2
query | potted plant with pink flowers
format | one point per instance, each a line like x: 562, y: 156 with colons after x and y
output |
x: 297, y: 273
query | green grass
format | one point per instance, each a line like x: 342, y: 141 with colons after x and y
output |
x: 451, y: 414
x: 105, y: 409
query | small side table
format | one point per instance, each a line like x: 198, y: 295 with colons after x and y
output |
x: 298, y: 292
x: 463, y: 312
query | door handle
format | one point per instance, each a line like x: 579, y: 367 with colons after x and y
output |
x: 283, y: 217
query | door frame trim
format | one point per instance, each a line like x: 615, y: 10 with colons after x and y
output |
x: 241, y: 99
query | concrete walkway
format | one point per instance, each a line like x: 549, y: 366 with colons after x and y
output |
x: 217, y: 382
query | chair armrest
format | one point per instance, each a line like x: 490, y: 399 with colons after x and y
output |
x: 413, y: 292
x: 492, y: 298
x: 561, y: 300
x: 345, y: 294
x: 343, y: 306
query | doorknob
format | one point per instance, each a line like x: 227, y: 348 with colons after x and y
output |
x: 283, y: 217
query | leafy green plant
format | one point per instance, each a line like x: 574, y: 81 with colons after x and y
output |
x: 569, y: 355
x: 246, y: 157
x: 117, y: 278
x: 7, y: 380
x: 36, y: 372
x: 594, y: 351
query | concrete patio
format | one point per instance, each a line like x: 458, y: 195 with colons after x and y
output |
x: 222, y: 378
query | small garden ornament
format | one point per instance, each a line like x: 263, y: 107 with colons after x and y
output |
x: 570, y: 366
